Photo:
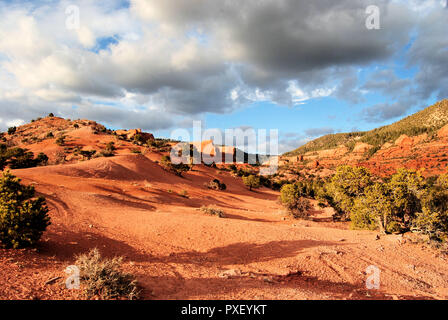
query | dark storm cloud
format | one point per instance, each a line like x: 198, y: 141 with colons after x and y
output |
x: 183, y: 57
x: 304, y: 41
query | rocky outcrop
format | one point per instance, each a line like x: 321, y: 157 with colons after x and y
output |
x: 130, y: 134
x: 361, y: 147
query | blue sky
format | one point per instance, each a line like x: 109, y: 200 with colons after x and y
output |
x: 306, y: 68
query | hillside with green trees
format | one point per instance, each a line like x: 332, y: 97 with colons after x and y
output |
x: 403, y: 202
x: 427, y: 121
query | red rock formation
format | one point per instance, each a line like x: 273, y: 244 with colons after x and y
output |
x: 130, y: 134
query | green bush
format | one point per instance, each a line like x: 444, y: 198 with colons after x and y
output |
x: 12, y: 130
x: 103, y: 278
x: 41, y: 158
x: 23, y: 218
x: 407, y: 187
x: 18, y: 158
x: 292, y: 197
x: 215, y: 184
x: 433, y: 219
x: 252, y: 182
x: 109, y: 151
x: 178, y: 169
x: 87, y: 154
x: 374, y: 209
x: 347, y: 184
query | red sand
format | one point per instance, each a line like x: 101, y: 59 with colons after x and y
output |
x: 128, y: 205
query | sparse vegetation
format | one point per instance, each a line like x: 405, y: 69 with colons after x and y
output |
x: 293, y: 198
x: 404, y: 201
x: 213, y: 211
x: 109, y: 151
x: 18, y: 158
x: 23, y: 218
x: 159, y: 144
x: 103, y: 278
x: 60, y: 141
x: 87, y: 154
x: 178, y: 169
x: 215, y: 184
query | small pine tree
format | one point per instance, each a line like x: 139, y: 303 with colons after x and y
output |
x: 23, y: 218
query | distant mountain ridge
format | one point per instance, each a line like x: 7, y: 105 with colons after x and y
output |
x: 417, y: 141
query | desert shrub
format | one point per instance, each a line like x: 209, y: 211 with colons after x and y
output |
x: 103, y: 278
x: 76, y: 126
x: 110, y: 146
x: 23, y: 218
x: 136, y: 150
x: 12, y: 130
x: 50, y: 135
x: 138, y: 139
x: 215, y: 184
x: 51, y: 115
x: 347, y: 184
x: 87, y: 154
x: 292, y: 197
x: 109, y: 151
x: 178, y: 169
x: 433, y: 219
x: 266, y: 181
x: 407, y: 187
x: 375, y: 209
x: 41, y: 158
x: 60, y: 141
x: 213, y: 211
x: 18, y: 158
x: 278, y: 184
x: 252, y: 182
